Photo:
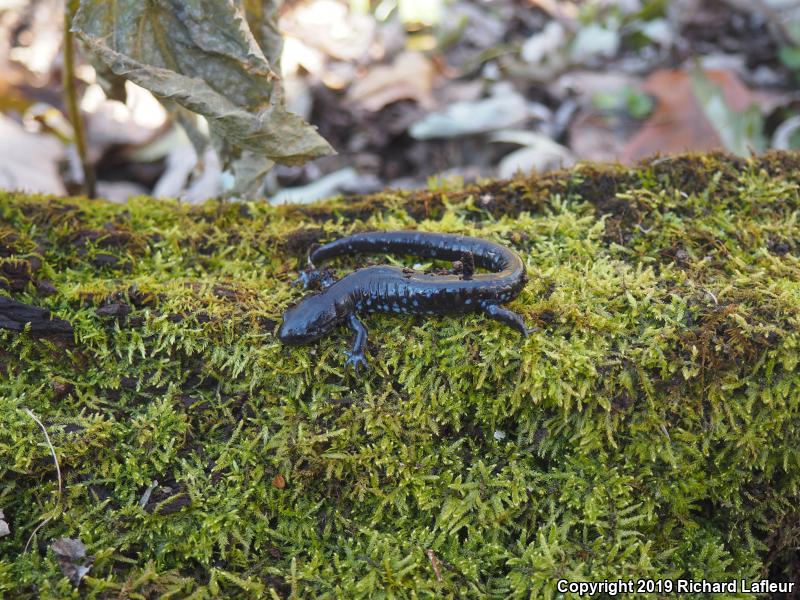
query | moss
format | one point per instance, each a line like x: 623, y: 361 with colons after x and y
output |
x: 649, y: 429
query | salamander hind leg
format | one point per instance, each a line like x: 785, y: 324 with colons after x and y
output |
x: 509, y: 317
x: 356, y: 356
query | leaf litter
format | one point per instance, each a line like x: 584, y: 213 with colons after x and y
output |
x: 72, y: 559
x: 402, y: 94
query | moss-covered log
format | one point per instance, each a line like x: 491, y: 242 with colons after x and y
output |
x: 650, y: 428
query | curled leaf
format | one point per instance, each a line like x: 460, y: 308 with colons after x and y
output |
x: 202, y: 56
x: 262, y: 16
x: 410, y: 76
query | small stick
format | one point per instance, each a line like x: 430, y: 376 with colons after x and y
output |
x: 434, y: 563
x: 58, y: 472
x: 71, y: 99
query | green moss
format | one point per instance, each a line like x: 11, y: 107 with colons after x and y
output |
x: 649, y: 429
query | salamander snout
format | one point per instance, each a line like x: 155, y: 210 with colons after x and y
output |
x: 308, y: 321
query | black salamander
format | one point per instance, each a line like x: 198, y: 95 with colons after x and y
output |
x: 392, y: 289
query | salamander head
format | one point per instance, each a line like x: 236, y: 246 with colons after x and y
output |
x: 313, y: 318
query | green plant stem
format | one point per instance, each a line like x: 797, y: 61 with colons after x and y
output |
x: 71, y: 99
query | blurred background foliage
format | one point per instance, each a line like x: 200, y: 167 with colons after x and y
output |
x: 403, y: 90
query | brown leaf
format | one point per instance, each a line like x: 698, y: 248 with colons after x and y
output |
x: 279, y: 481
x: 599, y: 137
x: 678, y: 122
x: 330, y: 27
x: 409, y: 77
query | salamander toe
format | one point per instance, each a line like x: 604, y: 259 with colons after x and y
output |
x: 355, y: 359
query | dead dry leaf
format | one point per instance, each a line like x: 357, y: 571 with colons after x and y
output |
x: 12, y: 98
x: 71, y: 555
x: 503, y: 109
x: 324, y: 187
x: 679, y: 123
x: 136, y: 122
x: 564, y: 11
x: 182, y: 179
x: 594, y: 41
x: 4, y: 528
x: 786, y: 134
x: 44, y: 40
x: 202, y: 56
x: 598, y: 137
x: 330, y: 27
x: 29, y: 161
x: 279, y: 481
x: 539, y: 153
x: 262, y: 16
x: 409, y: 77
x: 541, y: 45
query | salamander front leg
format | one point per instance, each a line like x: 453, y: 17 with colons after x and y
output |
x: 321, y: 279
x: 509, y: 317
x: 356, y: 355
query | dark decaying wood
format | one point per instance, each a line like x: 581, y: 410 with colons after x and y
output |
x: 16, y: 315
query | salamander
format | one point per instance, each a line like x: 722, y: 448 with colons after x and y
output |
x: 390, y: 289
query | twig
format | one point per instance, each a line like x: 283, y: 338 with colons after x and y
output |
x: 58, y: 472
x: 71, y: 99
x: 434, y: 563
